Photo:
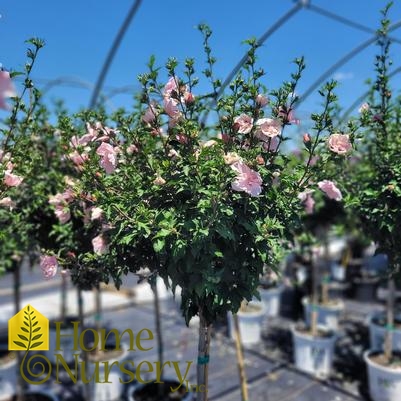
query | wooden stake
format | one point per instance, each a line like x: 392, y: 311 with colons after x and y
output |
x: 347, y: 257
x: 63, y: 295
x: 240, y: 359
x: 325, y: 290
x: 203, y: 358
x: 158, y: 328
x: 86, y: 387
x: 17, y: 304
x: 98, y: 311
x: 388, y: 343
x: 314, y: 297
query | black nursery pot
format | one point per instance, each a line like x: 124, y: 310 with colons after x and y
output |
x: 159, y: 392
x: 290, y: 303
x: 366, y: 288
x: 36, y: 396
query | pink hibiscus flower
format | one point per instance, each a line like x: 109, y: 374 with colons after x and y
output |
x: 48, y: 265
x: 12, y: 180
x: 247, y: 180
x: 171, y: 108
x: 267, y: 128
x: 244, y: 123
x: 330, y: 189
x: 99, y: 244
x: 7, y: 202
x: 339, y: 143
x: 308, y: 201
x: 108, y: 157
x: 170, y: 86
x: 7, y: 89
x: 150, y: 113
x: 272, y: 145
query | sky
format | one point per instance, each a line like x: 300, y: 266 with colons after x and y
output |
x: 79, y: 34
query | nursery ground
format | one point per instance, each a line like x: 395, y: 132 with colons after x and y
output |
x: 269, y: 369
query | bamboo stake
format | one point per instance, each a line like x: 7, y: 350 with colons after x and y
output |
x: 347, y: 257
x: 17, y: 304
x: 98, y: 314
x: 240, y: 359
x: 86, y: 387
x: 158, y: 327
x: 325, y: 290
x: 325, y: 281
x: 203, y: 358
x: 314, y: 297
x: 63, y: 306
x: 388, y: 343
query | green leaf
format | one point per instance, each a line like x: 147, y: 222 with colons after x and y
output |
x: 22, y: 337
x: 162, y: 233
x: 158, y: 245
x: 36, y: 330
x: 34, y: 324
x: 24, y: 330
x: 36, y: 344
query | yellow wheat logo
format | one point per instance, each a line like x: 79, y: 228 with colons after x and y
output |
x: 29, y: 330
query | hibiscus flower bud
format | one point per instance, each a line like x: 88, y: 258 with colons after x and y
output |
x: 231, y: 157
x: 181, y: 138
x: 173, y: 154
x: 261, y: 100
x: 209, y: 144
x: 306, y: 138
x: 159, y: 180
x: 378, y: 118
x: 364, y: 108
x: 189, y: 98
x: 224, y: 137
x: 132, y: 149
x: 96, y: 213
x: 260, y: 160
x: 100, y: 245
x: 7, y: 202
x: 156, y: 132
